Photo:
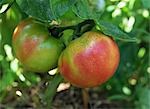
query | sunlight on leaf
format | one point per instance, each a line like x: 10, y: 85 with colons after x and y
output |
x: 128, y: 23
x: 4, y: 7
x: 145, y: 13
x: 110, y: 8
x: 63, y: 86
x: 141, y: 52
x: 15, y: 84
x: 53, y: 72
x: 132, y: 81
x: 148, y: 69
x: 28, y: 83
x: 116, y: 12
x: 18, y: 92
x: 8, y: 51
x: 121, y: 4
x: 20, y: 75
x: 131, y: 4
x: 126, y: 90
x: 14, y: 65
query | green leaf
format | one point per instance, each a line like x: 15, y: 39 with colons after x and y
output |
x: 143, y: 94
x: 51, y: 89
x: 62, y: 6
x: 117, y: 97
x: 8, y: 76
x: 6, y: 80
x: 146, y: 3
x: 127, y: 65
x: 112, y: 30
x: 5, y: 1
x: 32, y: 77
x: 45, y: 10
x: 82, y: 9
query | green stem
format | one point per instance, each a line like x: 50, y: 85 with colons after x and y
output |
x: 51, y: 90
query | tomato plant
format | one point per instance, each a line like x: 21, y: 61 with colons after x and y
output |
x: 97, y: 49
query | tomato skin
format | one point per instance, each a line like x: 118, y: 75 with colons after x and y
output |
x: 90, y: 60
x: 34, y: 47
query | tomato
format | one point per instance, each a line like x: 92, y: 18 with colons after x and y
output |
x: 89, y: 60
x: 36, y: 49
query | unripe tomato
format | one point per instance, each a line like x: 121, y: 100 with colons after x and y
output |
x: 89, y: 60
x: 34, y: 47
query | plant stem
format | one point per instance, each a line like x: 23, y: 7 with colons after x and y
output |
x: 51, y: 90
x: 79, y: 29
x: 85, y: 96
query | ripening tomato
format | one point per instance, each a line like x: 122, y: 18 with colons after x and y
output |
x: 36, y: 49
x: 89, y: 60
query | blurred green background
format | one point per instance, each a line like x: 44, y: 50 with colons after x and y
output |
x: 129, y: 88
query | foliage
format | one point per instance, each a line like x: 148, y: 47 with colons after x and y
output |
x: 127, y: 21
